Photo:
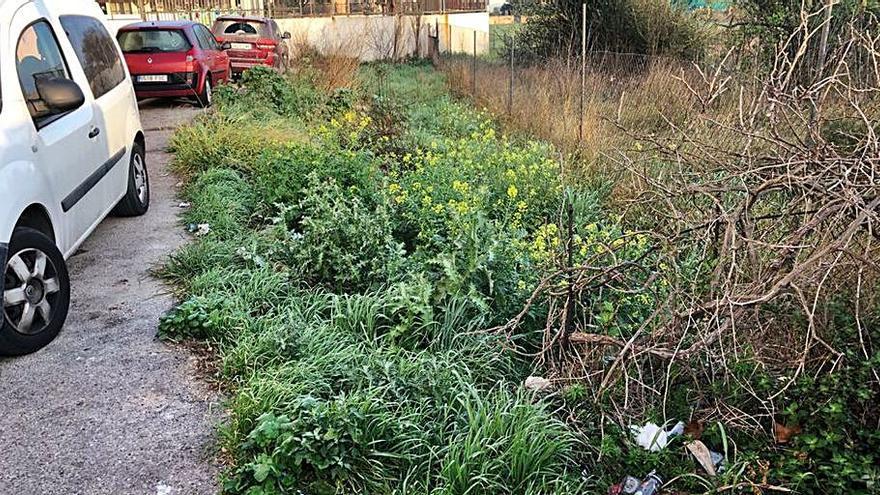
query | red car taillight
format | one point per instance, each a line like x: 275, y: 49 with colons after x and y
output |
x: 270, y: 48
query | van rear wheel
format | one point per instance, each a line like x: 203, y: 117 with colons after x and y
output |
x: 36, y: 293
x: 136, y: 201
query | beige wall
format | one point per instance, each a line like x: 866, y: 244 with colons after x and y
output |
x: 377, y: 37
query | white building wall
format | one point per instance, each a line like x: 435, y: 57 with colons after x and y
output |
x: 377, y: 37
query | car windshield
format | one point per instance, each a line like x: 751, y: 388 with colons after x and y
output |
x: 241, y: 28
x: 153, y: 41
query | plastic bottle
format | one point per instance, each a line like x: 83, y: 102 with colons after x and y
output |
x: 650, y: 484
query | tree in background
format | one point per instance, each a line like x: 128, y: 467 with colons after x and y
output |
x: 764, y: 26
x: 649, y: 27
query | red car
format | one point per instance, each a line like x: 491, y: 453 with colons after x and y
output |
x: 174, y: 59
x: 252, y: 41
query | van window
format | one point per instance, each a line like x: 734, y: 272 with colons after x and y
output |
x: 153, y: 41
x: 38, y: 58
x: 96, y: 52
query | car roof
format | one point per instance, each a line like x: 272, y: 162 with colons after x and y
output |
x: 158, y: 25
x: 251, y: 18
x: 86, y: 7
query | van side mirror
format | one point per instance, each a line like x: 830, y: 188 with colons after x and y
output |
x: 226, y: 46
x: 60, y: 94
x: 285, y: 36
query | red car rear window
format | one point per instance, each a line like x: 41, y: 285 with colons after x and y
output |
x: 242, y: 28
x: 153, y: 41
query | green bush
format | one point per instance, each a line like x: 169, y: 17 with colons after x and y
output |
x: 340, y: 243
x: 647, y: 27
x: 282, y: 175
x: 323, y: 447
x: 263, y: 92
x: 196, y: 318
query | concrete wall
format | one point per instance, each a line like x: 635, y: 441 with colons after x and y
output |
x: 117, y: 21
x: 373, y: 37
x: 378, y: 37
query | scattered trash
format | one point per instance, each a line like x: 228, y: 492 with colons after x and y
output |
x: 185, y: 204
x: 630, y: 484
x: 694, y: 429
x: 537, y: 384
x: 650, y: 485
x: 784, y: 433
x: 654, y: 438
x: 199, y: 229
x: 627, y: 486
x: 676, y: 430
x: 703, y: 455
x: 249, y: 255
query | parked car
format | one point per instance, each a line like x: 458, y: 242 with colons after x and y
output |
x: 174, y: 59
x: 253, y: 41
x: 71, y: 150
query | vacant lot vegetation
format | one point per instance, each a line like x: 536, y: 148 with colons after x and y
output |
x: 384, y: 268
x: 348, y: 284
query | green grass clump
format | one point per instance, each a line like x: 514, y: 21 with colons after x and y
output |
x: 222, y: 199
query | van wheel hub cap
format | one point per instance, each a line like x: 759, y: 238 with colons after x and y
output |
x: 30, y: 291
x: 140, y: 178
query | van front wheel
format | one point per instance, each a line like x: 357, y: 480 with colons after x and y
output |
x: 36, y: 293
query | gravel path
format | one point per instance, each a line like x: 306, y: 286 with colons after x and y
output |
x: 107, y: 408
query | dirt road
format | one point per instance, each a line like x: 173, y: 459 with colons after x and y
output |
x: 107, y: 408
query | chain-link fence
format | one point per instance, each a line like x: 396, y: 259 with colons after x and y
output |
x: 597, y: 102
x: 570, y: 101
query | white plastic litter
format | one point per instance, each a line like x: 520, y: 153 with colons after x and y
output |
x: 655, y: 438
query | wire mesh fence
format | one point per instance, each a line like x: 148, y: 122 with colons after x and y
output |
x: 590, y: 103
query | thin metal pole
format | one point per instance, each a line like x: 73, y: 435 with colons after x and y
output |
x: 510, y: 86
x: 583, y: 73
x: 823, y: 44
x: 474, y: 72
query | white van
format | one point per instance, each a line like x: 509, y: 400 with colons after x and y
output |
x: 71, y: 151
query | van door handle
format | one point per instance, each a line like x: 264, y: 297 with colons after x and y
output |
x: 94, y: 133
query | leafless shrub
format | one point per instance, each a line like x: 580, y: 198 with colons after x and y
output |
x: 764, y: 225
x: 334, y: 64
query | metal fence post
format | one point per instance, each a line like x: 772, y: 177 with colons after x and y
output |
x: 583, y: 74
x: 474, y: 72
x: 512, y: 48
